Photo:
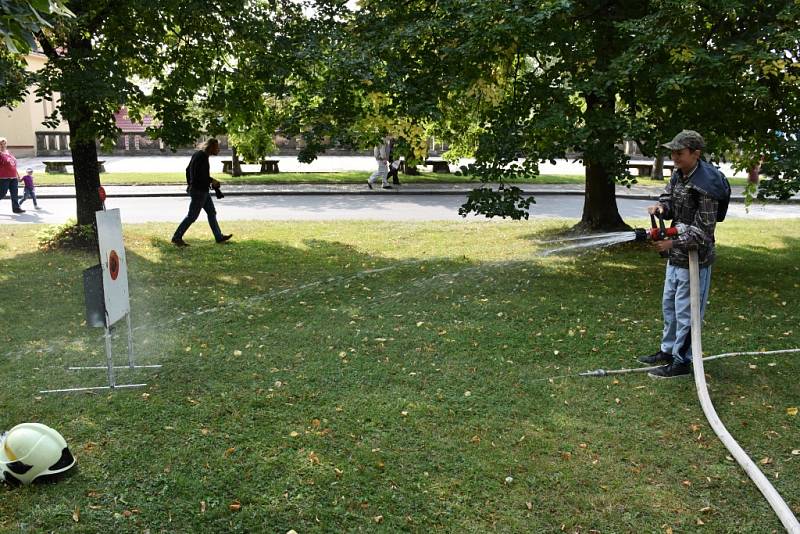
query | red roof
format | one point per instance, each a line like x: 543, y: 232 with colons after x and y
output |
x: 125, y: 124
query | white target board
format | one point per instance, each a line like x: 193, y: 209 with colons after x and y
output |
x: 114, y: 265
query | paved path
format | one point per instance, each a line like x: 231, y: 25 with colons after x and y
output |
x: 634, y: 192
x: 442, y: 205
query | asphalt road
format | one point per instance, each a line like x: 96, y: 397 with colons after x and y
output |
x: 339, y: 207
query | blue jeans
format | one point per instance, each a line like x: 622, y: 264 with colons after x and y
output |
x: 676, y: 306
x: 10, y: 184
x: 201, y: 200
x: 29, y: 193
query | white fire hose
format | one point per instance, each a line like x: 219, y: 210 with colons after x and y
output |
x: 780, y: 507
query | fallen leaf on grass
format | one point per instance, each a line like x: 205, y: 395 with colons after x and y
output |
x: 235, y: 506
x: 76, y: 515
x: 229, y: 451
x: 796, y: 452
x: 237, y: 353
x: 378, y: 518
x: 765, y: 461
x: 202, y: 507
x: 293, y: 434
x: 313, y: 458
x: 529, y: 505
x: 791, y: 411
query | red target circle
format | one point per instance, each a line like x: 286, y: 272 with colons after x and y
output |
x: 113, y: 264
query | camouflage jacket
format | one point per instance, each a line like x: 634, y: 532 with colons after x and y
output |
x: 697, y: 211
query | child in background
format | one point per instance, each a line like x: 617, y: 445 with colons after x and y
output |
x: 29, y: 192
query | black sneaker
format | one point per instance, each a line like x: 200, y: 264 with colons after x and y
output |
x: 369, y: 184
x: 656, y: 358
x: 180, y: 243
x: 387, y: 186
x: 673, y: 370
x: 225, y: 238
x: 18, y: 210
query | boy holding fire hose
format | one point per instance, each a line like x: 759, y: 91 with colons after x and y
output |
x: 692, y: 201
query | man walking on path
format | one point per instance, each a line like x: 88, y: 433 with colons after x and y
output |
x: 690, y: 201
x: 200, y: 182
x: 382, y: 158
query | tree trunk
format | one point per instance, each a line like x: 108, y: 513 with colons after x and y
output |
x: 86, y: 175
x: 658, y: 168
x: 600, y: 210
x: 236, y: 165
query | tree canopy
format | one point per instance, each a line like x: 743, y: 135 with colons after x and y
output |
x: 513, y: 82
x: 20, y: 21
x: 553, y: 78
x: 205, y: 64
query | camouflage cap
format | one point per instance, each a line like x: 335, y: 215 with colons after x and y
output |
x: 686, y: 139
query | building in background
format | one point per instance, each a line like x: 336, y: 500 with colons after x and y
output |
x: 21, y: 124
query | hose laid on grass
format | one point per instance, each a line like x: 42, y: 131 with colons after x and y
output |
x: 604, y: 372
x: 780, y: 507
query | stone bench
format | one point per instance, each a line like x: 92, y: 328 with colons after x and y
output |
x: 439, y: 165
x: 60, y: 166
x: 268, y: 166
x: 646, y: 169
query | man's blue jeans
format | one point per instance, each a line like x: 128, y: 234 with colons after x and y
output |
x: 676, y: 306
x: 12, y: 185
x: 201, y: 200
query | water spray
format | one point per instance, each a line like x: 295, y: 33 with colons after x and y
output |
x: 658, y: 232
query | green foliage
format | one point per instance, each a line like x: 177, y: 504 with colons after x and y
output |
x: 68, y: 236
x: 506, y: 201
x: 14, y: 80
x: 21, y: 20
x: 254, y: 143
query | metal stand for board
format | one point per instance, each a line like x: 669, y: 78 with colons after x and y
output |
x: 106, y: 295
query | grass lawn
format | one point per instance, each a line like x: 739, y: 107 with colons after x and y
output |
x: 386, y: 377
x: 141, y: 178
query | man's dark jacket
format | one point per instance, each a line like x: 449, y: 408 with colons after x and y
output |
x: 198, y: 175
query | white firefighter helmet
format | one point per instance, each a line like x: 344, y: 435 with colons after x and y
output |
x: 32, y: 450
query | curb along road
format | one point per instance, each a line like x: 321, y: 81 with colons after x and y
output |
x: 143, y: 191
